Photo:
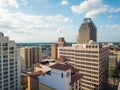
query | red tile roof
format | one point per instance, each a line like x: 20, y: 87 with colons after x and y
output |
x: 75, y: 77
x: 65, y: 67
x: 62, y: 59
x: 74, y: 70
x: 60, y: 67
x: 37, y: 65
x: 37, y: 73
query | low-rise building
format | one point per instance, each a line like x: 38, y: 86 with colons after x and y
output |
x: 59, y: 76
x: 113, y: 61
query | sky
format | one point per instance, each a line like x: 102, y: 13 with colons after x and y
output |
x: 46, y: 20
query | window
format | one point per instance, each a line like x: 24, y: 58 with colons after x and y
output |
x: 11, y: 48
x: 62, y: 75
x: 5, y: 56
x: 5, y: 44
x: 68, y: 74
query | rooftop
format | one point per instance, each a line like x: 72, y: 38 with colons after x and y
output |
x: 60, y: 67
x: 37, y: 73
x: 65, y: 67
x: 62, y: 59
x: 39, y: 66
x: 75, y: 77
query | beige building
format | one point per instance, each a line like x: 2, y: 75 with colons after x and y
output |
x: 61, y: 43
x: 30, y: 56
x: 117, y: 52
x: 33, y: 83
x: 87, y: 32
x: 113, y: 61
x: 119, y: 86
x: 92, y: 60
x: 54, y: 51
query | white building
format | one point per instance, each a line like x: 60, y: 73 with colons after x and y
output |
x: 9, y: 64
x: 62, y: 77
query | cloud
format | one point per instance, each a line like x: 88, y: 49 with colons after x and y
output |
x: 6, y: 3
x: 110, y: 16
x: 59, y: 18
x: 92, y: 8
x: 24, y: 2
x: 25, y: 27
x: 114, y: 10
x: 33, y: 26
x: 13, y: 3
x: 113, y: 27
x: 64, y: 2
x: 18, y: 20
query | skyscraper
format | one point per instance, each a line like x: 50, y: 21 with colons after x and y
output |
x: 90, y: 57
x: 61, y: 43
x: 87, y: 32
x: 29, y: 56
x: 9, y: 64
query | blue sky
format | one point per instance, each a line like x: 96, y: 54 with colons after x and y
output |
x: 46, y: 20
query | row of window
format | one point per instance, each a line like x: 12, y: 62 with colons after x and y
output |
x: 81, y: 55
x: 90, y: 80
x: 87, y: 67
x: 87, y: 59
x: 82, y: 51
x: 87, y: 63
x: 86, y: 72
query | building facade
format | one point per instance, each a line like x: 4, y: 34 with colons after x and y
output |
x: 87, y: 32
x: 61, y: 43
x: 113, y: 63
x: 92, y: 60
x: 116, y: 52
x: 59, y: 76
x: 9, y: 64
x: 54, y: 51
x: 62, y: 77
x: 30, y: 56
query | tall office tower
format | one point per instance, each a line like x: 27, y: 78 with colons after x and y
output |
x: 29, y: 56
x: 87, y: 32
x: 54, y: 51
x: 61, y: 43
x: 92, y: 60
x: 9, y: 64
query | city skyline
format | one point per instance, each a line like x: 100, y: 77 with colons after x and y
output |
x: 45, y: 21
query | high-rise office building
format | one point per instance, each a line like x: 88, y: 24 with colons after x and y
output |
x: 61, y: 43
x: 9, y: 64
x: 54, y: 51
x: 29, y: 56
x: 92, y: 60
x: 90, y: 57
x: 87, y: 32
